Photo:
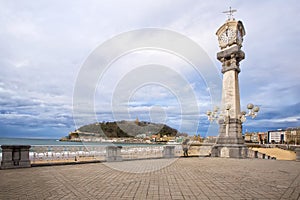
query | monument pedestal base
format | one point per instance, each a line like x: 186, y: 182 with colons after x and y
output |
x: 229, y: 150
x: 230, y: 143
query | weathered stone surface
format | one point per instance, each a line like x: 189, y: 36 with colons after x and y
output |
x: 15, y: 156
x: 229, y: 151
x: 169, y: 152
x: 297, y: 154
x: 113, y: 153
x: 226, y: 54
x: 230, y: 143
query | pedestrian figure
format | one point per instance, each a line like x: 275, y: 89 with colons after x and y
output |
x: 185, y: 149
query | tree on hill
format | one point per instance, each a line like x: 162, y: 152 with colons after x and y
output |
x: 127, y: 129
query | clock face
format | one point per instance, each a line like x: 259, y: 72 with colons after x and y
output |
x: 227, y: 36
x: 224, y: 38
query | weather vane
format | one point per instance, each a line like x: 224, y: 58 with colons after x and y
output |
x: 230, y: 13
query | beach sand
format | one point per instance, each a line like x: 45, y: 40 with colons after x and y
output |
x: 280, y: 154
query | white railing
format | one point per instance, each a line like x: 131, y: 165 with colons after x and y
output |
x: 146, y: 152
x: 42, y: 154
x: 51, y: 154
x: 139, y: 152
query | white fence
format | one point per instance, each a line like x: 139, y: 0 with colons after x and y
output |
x: 145, y: 152
x: 44, y: 154
x: 40, y: 154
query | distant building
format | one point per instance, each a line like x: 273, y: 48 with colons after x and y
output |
x: 143, y: 135
x: 256, y: 137
x: 137, y: 121
x: 210, y: 139
x: 293, y: 135
x: 247, y: 137
x: 262, y: 137
x: 277, y: 136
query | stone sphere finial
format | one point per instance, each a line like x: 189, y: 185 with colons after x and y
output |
x: 250, y: 106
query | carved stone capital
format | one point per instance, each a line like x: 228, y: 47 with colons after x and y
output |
x: 230, y: 58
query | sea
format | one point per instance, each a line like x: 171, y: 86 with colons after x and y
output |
x: 56, y: 142
x: 29, y: 141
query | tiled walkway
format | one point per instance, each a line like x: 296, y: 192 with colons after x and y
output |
x: 184, y: 178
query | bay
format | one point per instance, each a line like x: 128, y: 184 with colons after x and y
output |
x: 31, y: 141
x: 55, y: 142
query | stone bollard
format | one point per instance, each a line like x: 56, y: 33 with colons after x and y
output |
x: 113, y: 153
x: 15, y: 156
x: 297, y: 154
x: 255, y: 154
x: 169, y: 152
x: 261, y: 155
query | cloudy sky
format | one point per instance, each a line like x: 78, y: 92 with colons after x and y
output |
x: 46, y: 46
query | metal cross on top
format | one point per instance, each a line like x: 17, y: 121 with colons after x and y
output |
x: 230, y: 13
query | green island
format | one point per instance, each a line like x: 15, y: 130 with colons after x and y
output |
x: 124, y: 131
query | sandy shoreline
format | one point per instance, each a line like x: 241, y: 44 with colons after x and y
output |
x: 280, y: 154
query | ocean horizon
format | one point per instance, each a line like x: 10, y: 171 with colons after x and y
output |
x: 56, y: 142
x: 35, y: 141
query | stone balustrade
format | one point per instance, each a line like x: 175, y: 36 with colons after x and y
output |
x: 53, y: 154
x: 113, y: 153
x: 169, y: 152
x: 297, y: 150
x: 257, y: 154
x: 15, y: 156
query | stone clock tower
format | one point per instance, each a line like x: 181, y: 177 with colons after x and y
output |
x: 230, y: 142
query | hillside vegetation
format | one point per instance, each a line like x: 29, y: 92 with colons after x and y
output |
x: 127, y: 129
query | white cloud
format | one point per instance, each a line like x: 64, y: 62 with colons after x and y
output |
x: 44, y: 44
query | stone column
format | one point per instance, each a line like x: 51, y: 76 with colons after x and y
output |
x: 297, y: 154
x: 169, y: 152
x: 15, y: 156
x: 113, y: 153
x: 230, y: 142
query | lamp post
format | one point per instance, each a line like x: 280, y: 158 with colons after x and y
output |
x: 230, y: 142
x: 252, y: 112
x: 217, y: 115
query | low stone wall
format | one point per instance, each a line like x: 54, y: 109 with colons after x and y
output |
x: 15, y: 156
x: 169, y: 152
x: 57, y: 155
x: 259, y: 155
x: 297, y: 150
x: 113, y: 153
x: 202, y: 150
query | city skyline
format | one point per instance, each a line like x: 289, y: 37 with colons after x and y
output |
x: 45, y: 45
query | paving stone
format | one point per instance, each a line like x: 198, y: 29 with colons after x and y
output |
x: 188, y: 178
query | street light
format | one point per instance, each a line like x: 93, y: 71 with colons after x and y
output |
x: 216, y: 114
x: 252, y: 112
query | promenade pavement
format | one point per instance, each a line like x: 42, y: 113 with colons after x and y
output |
x: 183, y: 178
